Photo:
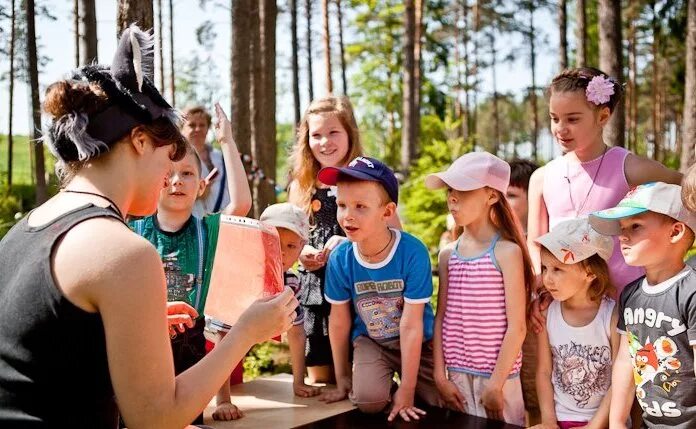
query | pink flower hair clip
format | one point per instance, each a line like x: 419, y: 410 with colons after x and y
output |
x: 599, y: 90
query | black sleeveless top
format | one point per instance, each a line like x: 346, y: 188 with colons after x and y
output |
x: 53, y: 365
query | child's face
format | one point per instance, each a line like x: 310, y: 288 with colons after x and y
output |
x: 574, y: 123
x: 195, y: 129
x: 328, y: 140
x: 564, y: 281
x: 517, y: 197
x: 469, y: 206
x: 646, y: 238
x: 362, y: 211
x: 183, y: 186
x: 290, y: 247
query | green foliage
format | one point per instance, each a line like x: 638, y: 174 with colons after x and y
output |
x: 22, y: 171
x: 267, y: 358
x: 425, y: 211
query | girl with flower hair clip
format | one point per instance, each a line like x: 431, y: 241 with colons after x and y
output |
x: 591, y: 175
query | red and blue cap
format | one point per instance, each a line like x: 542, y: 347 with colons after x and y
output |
x: 363, y: 168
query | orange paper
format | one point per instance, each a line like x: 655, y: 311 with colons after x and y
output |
x: 247, y: 266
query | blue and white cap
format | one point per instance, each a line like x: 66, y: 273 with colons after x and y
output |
x: 364, y: 168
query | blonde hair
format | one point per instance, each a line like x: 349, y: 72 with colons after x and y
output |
x: 304, y: 166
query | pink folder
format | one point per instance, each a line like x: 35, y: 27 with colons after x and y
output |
x: 247, y: 266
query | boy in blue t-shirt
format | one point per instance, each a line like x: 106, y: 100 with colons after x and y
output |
x: 386, y: 275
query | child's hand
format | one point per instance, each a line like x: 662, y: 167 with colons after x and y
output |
x: 223, y: 128
x: 180, y: 316
x: 545, y: 426
x: 330, y: 245
x: 537, y: 319
x: 451, y: 395
x: 304, y: 390
x: 309, y: 258
x: 492, y: 400
x: 343, y: 387
x: 227, y: 411
x: 402, y: 405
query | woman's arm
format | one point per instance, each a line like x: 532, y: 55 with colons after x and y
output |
x: 509, y: 257
x: 125, y: 284
x: 237, y: 183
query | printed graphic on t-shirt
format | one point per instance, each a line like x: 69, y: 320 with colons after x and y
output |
x: 582, y: 371
x: 179, y: 283
x: 654, y: 362
x: 381, y: 314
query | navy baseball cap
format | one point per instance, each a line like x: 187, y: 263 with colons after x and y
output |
x: 363, y: 168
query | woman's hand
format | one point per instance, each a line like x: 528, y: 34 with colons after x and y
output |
x: 269, y: 317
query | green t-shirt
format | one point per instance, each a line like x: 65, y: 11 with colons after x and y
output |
x: 187, y: 256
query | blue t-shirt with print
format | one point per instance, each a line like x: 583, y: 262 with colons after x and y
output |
x: 379, y: 290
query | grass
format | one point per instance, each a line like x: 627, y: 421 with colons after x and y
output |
x: 22, y: 153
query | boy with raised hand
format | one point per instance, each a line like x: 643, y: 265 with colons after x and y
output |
x: 186, y: 244
x: 657, y: 313
x: 385, y: 275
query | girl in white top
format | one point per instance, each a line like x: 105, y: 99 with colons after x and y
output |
x: 579, y: 343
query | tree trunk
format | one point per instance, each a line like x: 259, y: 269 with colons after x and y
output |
x: 76, y: 31
x: 563, y: 33
x: 417, y: 77
x: 295, y: 65
x: 257, y: 100
x: 35, y: 106
x: 632, y: 96
x: 133, y: 11
x: 475, y: 73
x: 611, y: 61
x: 342, y: 47
x: 496, y: 113
x: 581, y: 33
x: 10, y: 98
x: 465, y: 43
x: 310, y: 78
x: 408, y: 86
x: 689, y: 125
x: 160, y: 49
x: 533, y: 94
x: 267, y: 156
x: 240, y: 114
x: 172, y: 77
x: 327, y: 46
x: 655, y: 111
x: 457, y: 68
x: 88, y: 32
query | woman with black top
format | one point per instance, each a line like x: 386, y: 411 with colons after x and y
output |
x: 83, y: 316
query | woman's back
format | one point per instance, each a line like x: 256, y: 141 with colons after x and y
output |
x: 53, y: 363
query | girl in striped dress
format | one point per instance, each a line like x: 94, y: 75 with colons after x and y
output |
x: 485, y: 278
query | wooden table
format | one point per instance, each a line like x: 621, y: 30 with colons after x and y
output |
x: 269, y: 403
x: 437, y: 418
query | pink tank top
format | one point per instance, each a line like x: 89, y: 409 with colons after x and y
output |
x: 561, y: 178
x: 475, y: 320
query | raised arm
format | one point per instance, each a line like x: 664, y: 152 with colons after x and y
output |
x: 237, y: 183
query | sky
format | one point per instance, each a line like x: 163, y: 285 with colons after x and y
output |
x: 56, y: 40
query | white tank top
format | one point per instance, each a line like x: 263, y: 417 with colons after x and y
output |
x: 581, y: 372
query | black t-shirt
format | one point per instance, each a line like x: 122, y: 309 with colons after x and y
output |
x: 659, y: 323
x: 53, y: 366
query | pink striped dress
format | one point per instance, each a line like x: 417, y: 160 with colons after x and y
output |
x: 475, y: 320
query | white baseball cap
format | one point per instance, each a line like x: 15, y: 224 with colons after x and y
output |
x: 473, y: 170
x: 573, y: 241
x: 656, y: 197
x: 288, y: 216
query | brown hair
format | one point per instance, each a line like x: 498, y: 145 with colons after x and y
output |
x: 304, y: 166
x: 688, y: 190
x: 197, y: 110
x: 504, y: 219
x: 601, y: 286
x: 70, y: 97
x: 571, y: 80
x: 520, y: 172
